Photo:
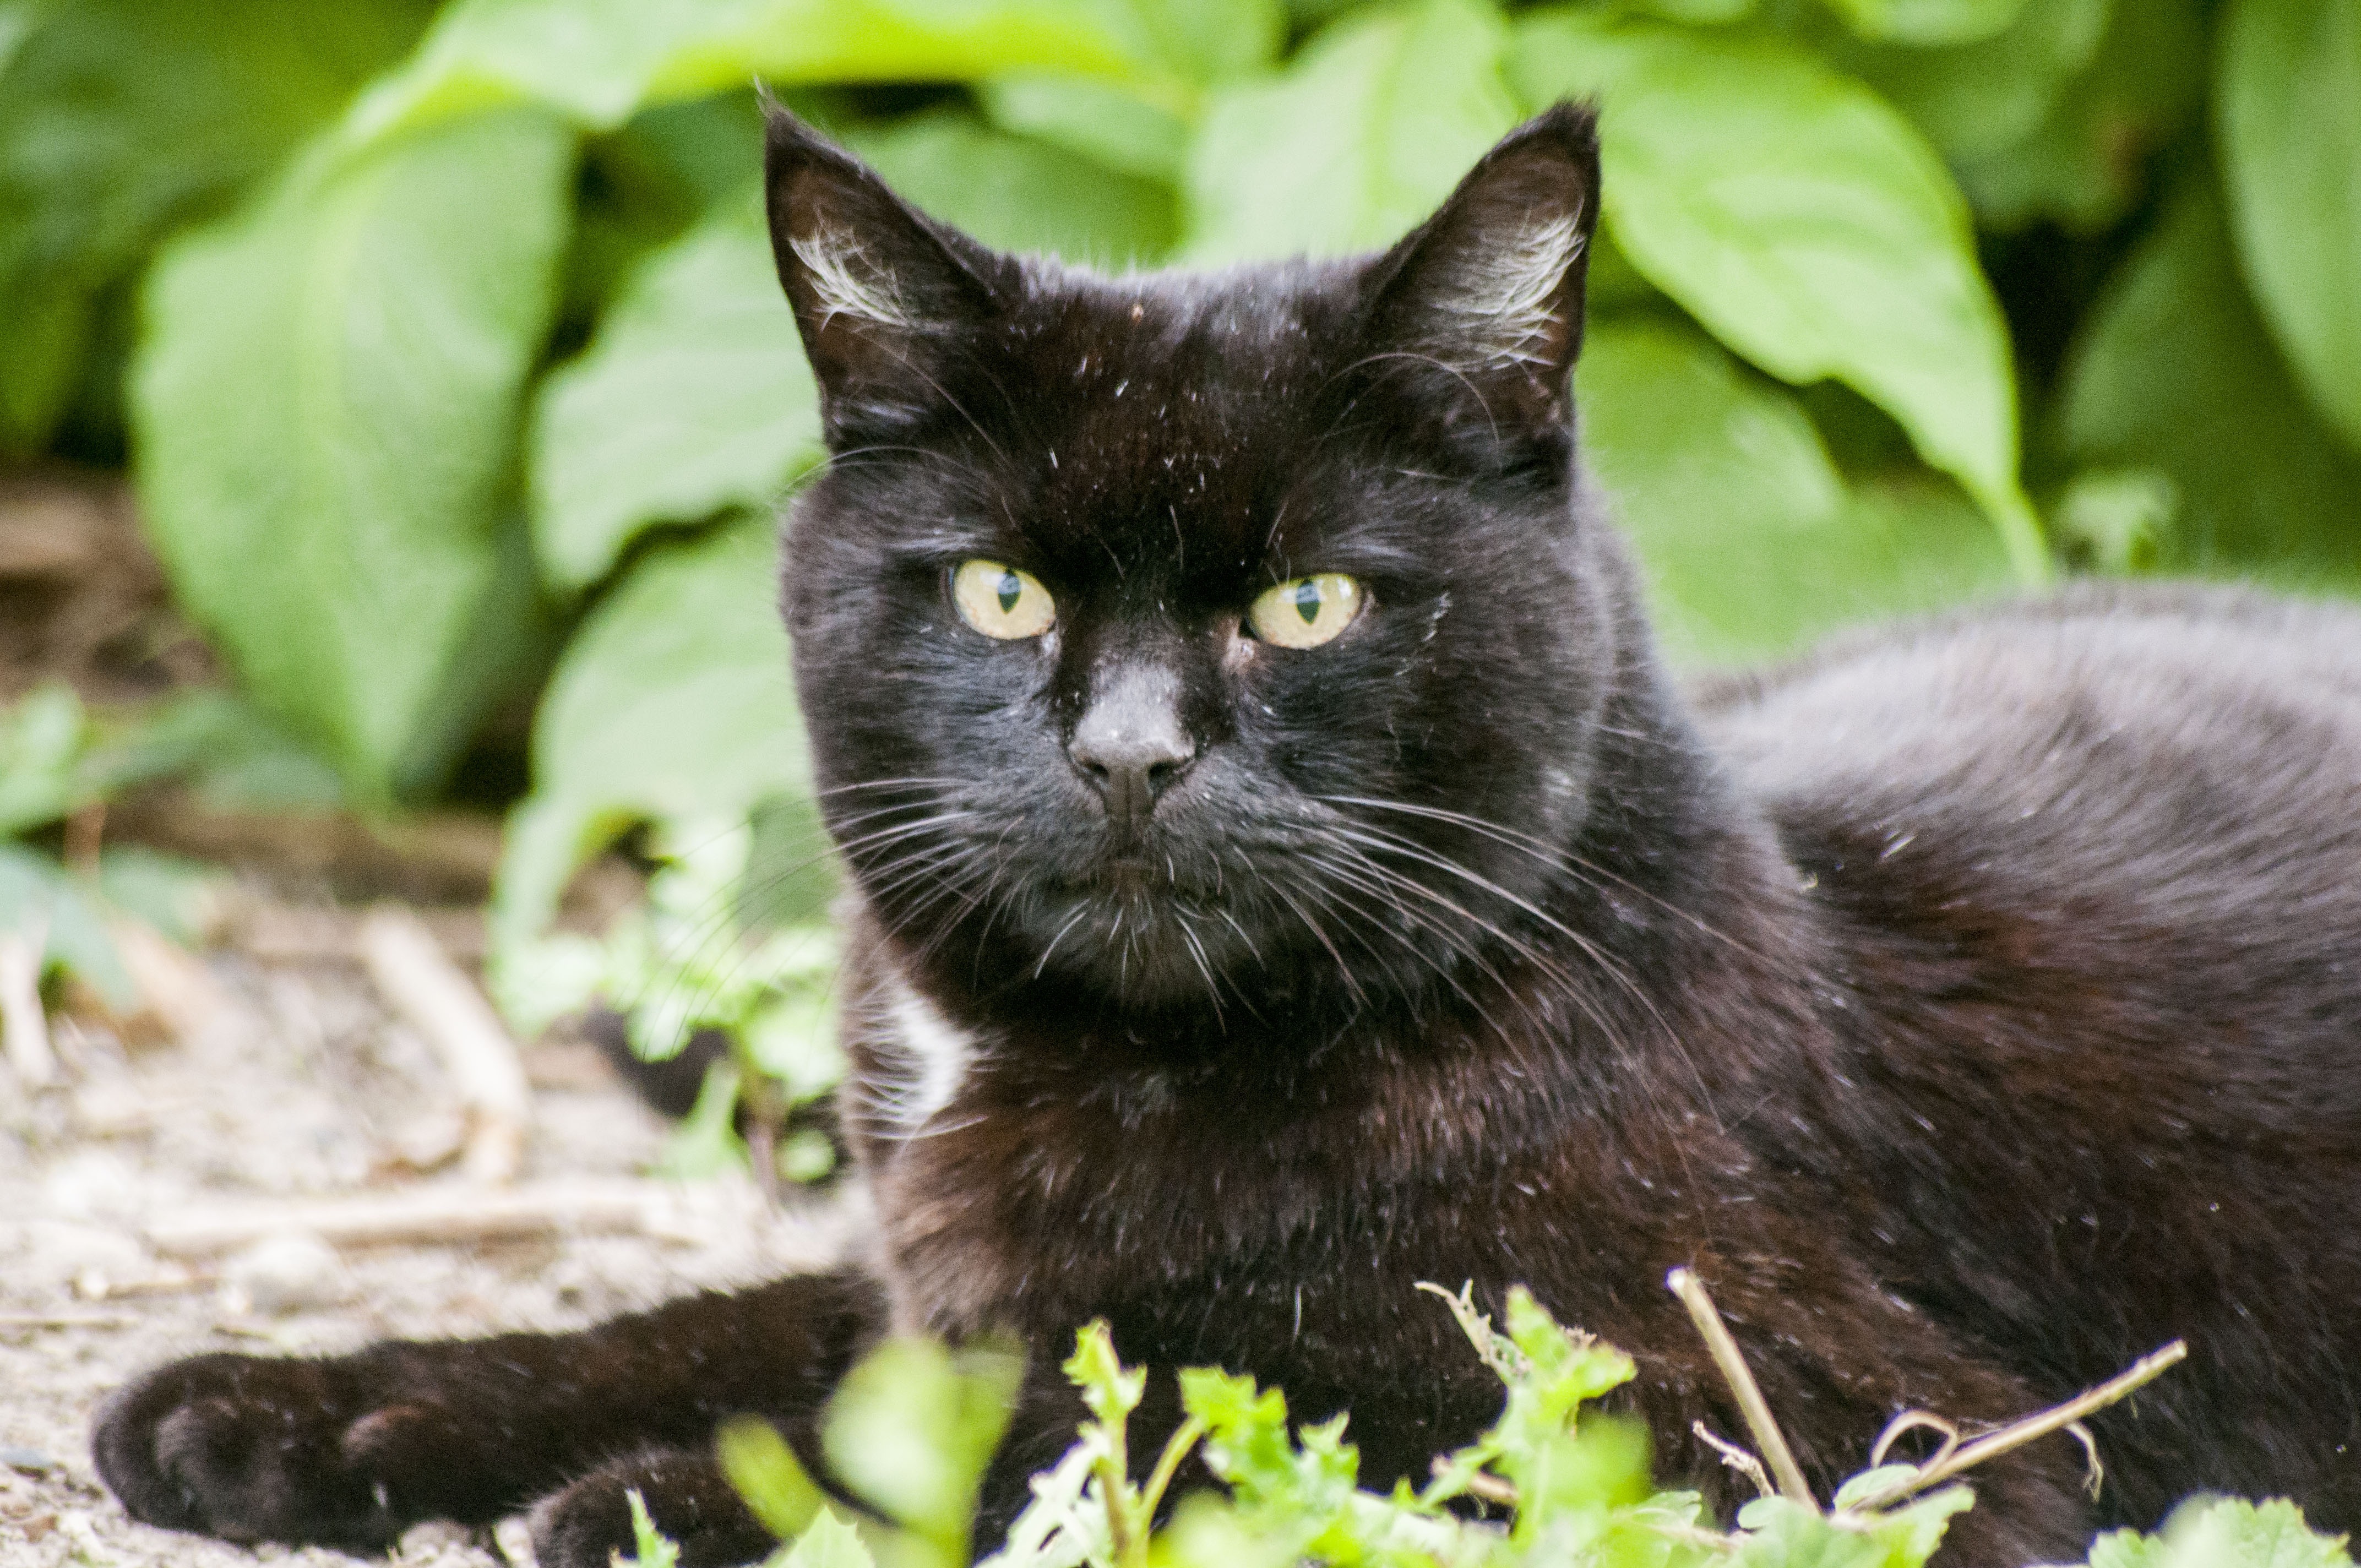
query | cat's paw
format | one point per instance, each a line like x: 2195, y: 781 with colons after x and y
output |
x: 686, y: 1496
x: 251, y: 1449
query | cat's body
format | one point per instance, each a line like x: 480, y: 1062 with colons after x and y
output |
x: 1976, y: 1009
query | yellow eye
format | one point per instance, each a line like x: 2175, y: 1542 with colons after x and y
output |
x: 1001, y: 601
x: 1306, y: 612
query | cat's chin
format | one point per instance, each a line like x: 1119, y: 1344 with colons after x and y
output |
x: 1132, y: 936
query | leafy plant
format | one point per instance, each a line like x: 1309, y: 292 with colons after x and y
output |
x: 59, y: 760
x: 1554, y: 1481
x: 705, y: 952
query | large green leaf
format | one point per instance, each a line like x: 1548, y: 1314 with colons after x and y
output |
x: 2289, y: 96
x: 1930, y: 21
x: 1792, y: 210
x: 1110, y: 122
x: 672, y: 701
x: 599, y: 60
x: 1749, y: 539
x: 693, y: 400
x: 1977, y: 99
x: 1019, y: 195
x: 121, y: 117
x: 2176, y: 373
x: 1370, y: 128
x: 2087, y: 161
x: 326, y: 409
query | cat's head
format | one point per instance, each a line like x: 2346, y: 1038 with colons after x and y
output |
x: 1160, y: 636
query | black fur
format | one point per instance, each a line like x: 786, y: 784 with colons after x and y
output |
x: 1976, y: 1006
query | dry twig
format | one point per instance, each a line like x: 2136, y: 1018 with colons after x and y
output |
x: 24, y: 1026
x: 1685, y: 1284
x: 2018, y: 1433
x: 422, y: 984
x: 430, y: 1215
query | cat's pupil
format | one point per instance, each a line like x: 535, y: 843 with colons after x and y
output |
x: 1012, y: 588
x: 1307, y: 601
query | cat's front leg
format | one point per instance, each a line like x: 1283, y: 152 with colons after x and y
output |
x: 348, y: 1451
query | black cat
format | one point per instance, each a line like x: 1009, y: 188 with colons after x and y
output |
x: 1285, y: 874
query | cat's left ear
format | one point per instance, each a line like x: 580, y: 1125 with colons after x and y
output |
x: 1487, y: 295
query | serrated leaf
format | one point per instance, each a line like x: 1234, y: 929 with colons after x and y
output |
x: 1111, y: 1390
x: 694, y: 398
x: 1749, y: 539
x: 2288, y: 90
x: 828, y: 1543
x: 120, y: 118
x: 598, y: 61
x: 1371, y: 126
x: 2175, y: 372
x: 673, y: 700
x: 2226, y: 1533
x: 325, y: 406
x: 1804, y: 223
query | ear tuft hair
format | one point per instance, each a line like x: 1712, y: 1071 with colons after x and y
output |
x: 1490, y: 288
x: 882, y: 294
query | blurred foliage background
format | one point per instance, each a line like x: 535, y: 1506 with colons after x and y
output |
x: 442, y: 349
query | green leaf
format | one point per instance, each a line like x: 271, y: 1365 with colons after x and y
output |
x: 650, y: 1549
x: 2289, y: 98
x: 911, y: 1428
x: 829, y: 1544
x: 2174, y: 372
x: 120, y: 118
x: 1804, y: 222
x: 769, y: 1476
x: 1109, y: 122
x: 1978, y: 99
x: 694, y: 398
x: 1749, y: 539
x: 598, y: 61
x: 35, y: 890
x: 1017, y: 194
x: 673, y: 700
x: 1369, y: 128
x: 2087, y: 162
x: 325, y: 406
x: 1111, y: 1390
x: 1929, y: 21
x: 2224, y: 1533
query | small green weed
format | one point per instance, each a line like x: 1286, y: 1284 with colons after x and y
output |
x: 1565, y: 1485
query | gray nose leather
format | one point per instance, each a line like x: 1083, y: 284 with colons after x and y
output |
x: 1130, y: 743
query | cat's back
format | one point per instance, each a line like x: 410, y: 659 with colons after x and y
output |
x: 2170, y: 763
x: 2136, y: 805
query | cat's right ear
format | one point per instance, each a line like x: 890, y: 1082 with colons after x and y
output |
x: 882, y: 295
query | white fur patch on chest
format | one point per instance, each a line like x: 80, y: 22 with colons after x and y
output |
x: 932, y: 1056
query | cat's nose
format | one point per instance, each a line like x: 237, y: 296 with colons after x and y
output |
x: 1131, y: 743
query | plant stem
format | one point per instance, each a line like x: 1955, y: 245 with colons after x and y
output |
x: 2039, y: 1424
x: 1166, y: 1464
x: 1681, y: 1282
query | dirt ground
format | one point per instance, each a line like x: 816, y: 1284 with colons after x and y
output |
x: 304, y: 1087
